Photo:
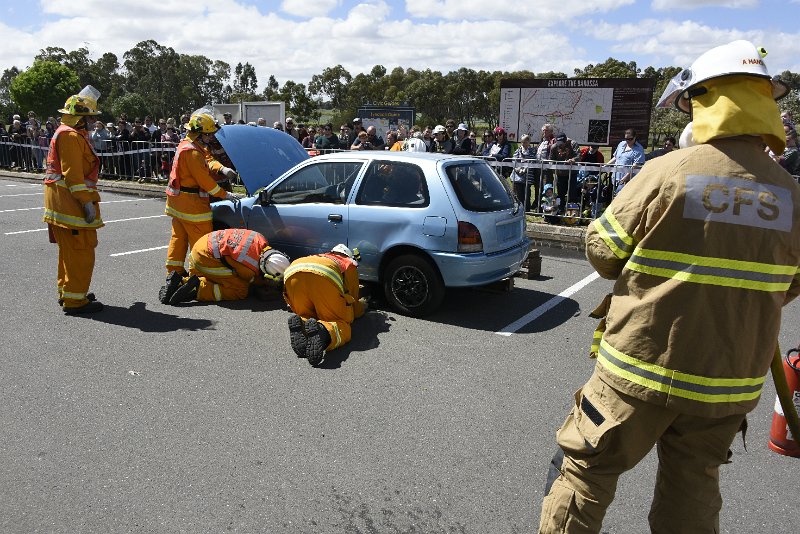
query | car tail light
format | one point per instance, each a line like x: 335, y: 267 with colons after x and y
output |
x: 469, y: 238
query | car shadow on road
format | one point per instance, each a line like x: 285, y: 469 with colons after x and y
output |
x: 364, y: 338
x: 139, y: 317
x: 493, y: 310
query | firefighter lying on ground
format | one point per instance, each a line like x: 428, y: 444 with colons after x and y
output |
x: 190, y: 189
x: 323, y: 294
x: 223, y: 265
x: 71, y: 201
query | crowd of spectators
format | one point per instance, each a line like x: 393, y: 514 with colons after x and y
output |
x: 143, y: 149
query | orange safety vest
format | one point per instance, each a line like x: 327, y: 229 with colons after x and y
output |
x: 174, y: 184
x: 53, y: 172
x: 244, y: 246
x: 343, y: 262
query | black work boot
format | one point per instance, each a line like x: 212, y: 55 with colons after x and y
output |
x: 90, y: 307
x: 89, y: 296
x: 187, y: 292
x: 297, y: 335
x: 173, y: 283
x: 317, y: 338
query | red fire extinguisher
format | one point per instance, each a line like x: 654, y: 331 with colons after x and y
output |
x: 784, y: 437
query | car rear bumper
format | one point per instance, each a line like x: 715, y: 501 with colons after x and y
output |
x: 460, y: 270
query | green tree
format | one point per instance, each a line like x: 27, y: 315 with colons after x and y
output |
x: 333, y: 83
x: 44, y: 87
x: 132, y: 104
x: 298, y: 103
x: 6, y: 104
x: 154, y: 72
x: 271, y: 90
x: 791, y: 102
x: 610, y: 68
x: 244, y: 82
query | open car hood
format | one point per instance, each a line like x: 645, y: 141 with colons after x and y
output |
x: 260, y: 154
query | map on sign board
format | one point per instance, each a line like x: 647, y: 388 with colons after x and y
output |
x: 590, y: 111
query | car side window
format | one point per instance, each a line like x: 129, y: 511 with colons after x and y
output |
x: 392, y: 183
x: 328, y: 182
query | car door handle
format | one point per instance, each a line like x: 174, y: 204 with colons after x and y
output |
x: 333, y: 217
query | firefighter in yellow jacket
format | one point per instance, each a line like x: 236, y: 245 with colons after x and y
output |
x: 223, y: 264
x: 322, y: 291
x: 71, y: 201
x: 704, y: 245
x: 189, y: 191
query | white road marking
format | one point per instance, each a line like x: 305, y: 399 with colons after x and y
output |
x: 547, y: 306
x: 42, y: 207
x: 23, y: 185
x: 107, y: 222
x: 22, y: 195
x: 137, y: 251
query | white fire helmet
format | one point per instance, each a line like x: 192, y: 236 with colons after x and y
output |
x: 344, y: 250
x: 736, y: 58
x: 273, y: 263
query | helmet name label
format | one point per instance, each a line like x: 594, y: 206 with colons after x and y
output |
x: 752, y: 61
x: 737, y: 201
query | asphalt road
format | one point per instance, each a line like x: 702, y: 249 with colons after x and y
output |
x: 199, y: 418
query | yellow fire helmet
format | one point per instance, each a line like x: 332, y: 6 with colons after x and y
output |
x: 202, y: 121
x: 84, y: 103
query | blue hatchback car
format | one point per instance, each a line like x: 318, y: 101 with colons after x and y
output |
x: 422, y: 222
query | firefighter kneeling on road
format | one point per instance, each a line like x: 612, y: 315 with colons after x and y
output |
x: 71, y: 201
x: 189, y: 191
x: 223, y: 265
x: 322, y: 291
x: 704, y: 246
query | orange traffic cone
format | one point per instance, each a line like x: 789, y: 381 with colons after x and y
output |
x: 781, y: 439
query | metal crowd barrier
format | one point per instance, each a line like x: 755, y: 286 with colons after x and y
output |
x: 584, y: 189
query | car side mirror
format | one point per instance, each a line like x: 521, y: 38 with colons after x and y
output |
x: 264, y: 197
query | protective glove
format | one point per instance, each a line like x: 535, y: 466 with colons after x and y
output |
x: 228, y: 173
x: 233, y: 197
x: 364, y: 303
x: 90, y: 212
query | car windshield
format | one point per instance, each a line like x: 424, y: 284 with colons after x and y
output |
x: 478, y: 188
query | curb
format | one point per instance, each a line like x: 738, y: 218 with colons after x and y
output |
x: 550, y: 239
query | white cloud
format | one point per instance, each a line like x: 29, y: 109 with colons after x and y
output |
x: 308, y: 8
x: 441, y: 35
x: 673, y: 5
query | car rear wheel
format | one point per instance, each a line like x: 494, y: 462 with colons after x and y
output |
x: 412, y: 285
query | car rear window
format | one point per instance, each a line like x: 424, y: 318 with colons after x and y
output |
x: 478, y: 188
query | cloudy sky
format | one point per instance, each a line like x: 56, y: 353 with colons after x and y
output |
x: 295, y: 39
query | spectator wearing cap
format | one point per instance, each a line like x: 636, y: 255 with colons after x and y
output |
x: 290, y: 129
x: 358, y: 126
x: 227, y: 119
x: 160, y: 130
x: 462, y: 144
x: 628, y: 157
x: 440, y: 142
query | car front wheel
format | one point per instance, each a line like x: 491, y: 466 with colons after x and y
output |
x: 413, y: 286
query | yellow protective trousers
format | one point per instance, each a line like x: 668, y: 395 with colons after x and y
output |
x: 608, y: 433
x: 184, y: 235
x: 312, y: 295
x: 217, y: 281
x: 75, y: 263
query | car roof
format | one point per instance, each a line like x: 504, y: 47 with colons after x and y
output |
x: 389, y: 155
